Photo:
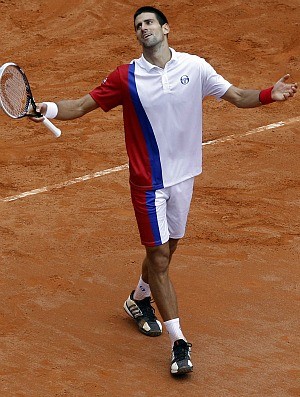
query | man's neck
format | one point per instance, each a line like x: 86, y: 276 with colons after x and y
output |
x: 158, y: 55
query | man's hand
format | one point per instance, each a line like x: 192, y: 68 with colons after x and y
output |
x: 41, y: 108
x: 283, y: 91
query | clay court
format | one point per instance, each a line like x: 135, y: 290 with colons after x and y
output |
x: 70, y: 249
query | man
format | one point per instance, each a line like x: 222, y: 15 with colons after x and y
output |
x: 161, y: 94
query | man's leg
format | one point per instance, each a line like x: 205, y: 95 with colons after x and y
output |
x: 162, y: 288
x: 155, y: 272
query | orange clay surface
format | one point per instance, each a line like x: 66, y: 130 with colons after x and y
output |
x: 70, y: 256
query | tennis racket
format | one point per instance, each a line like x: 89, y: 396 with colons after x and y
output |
x: 16, y: 98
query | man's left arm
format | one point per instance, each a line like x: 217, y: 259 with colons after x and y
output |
x: 281, y: 91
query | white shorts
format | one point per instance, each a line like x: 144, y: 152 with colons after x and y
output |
x: 162, y: 214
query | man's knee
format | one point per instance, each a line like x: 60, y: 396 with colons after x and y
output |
x: 158, y: 258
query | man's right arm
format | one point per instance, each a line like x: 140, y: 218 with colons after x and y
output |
x: 70, y: 109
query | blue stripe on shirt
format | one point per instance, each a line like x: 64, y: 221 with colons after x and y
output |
x: 153, y: 151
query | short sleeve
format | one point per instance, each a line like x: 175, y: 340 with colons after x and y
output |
x: 213, y: 84
x: 108, y: 95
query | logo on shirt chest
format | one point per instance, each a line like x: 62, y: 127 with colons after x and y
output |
x: 184, y: 79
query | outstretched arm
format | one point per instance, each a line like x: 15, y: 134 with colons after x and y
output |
x: 241, y: 98
x: 67, y: 109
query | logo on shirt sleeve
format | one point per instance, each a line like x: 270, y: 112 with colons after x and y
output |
x: 184, y: 79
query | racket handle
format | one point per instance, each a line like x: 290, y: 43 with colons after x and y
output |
x: 56, y: 131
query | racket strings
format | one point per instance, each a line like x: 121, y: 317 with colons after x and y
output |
x: 14, y: 95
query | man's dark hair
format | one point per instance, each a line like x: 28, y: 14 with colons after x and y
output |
x: 162, y: 19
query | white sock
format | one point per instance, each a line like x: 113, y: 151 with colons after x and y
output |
x: 174, y: 330
x: 142, y: 290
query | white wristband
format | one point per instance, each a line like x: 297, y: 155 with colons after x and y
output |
x: 52, y: 110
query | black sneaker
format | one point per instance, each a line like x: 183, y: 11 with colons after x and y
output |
x: 181, y: 358
x: 144, y: 315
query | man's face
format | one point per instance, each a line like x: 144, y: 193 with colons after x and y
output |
x: 148, y: 30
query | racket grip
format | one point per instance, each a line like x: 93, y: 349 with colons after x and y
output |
x: 56, y: 131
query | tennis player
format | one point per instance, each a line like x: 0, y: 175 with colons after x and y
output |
x: 161, y: 94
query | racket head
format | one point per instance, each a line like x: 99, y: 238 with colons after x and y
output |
x: 15, y: 94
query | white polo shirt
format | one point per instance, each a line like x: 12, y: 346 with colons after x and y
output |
x: 162, y: 110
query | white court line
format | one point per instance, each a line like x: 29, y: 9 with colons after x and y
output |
x: 254, y: 131
x: 64, y: 184
x: 125, y: 166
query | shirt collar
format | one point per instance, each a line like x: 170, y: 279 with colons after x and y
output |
x: 149, y: 66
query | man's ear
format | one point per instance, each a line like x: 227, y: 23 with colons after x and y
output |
x: 166, y: 28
